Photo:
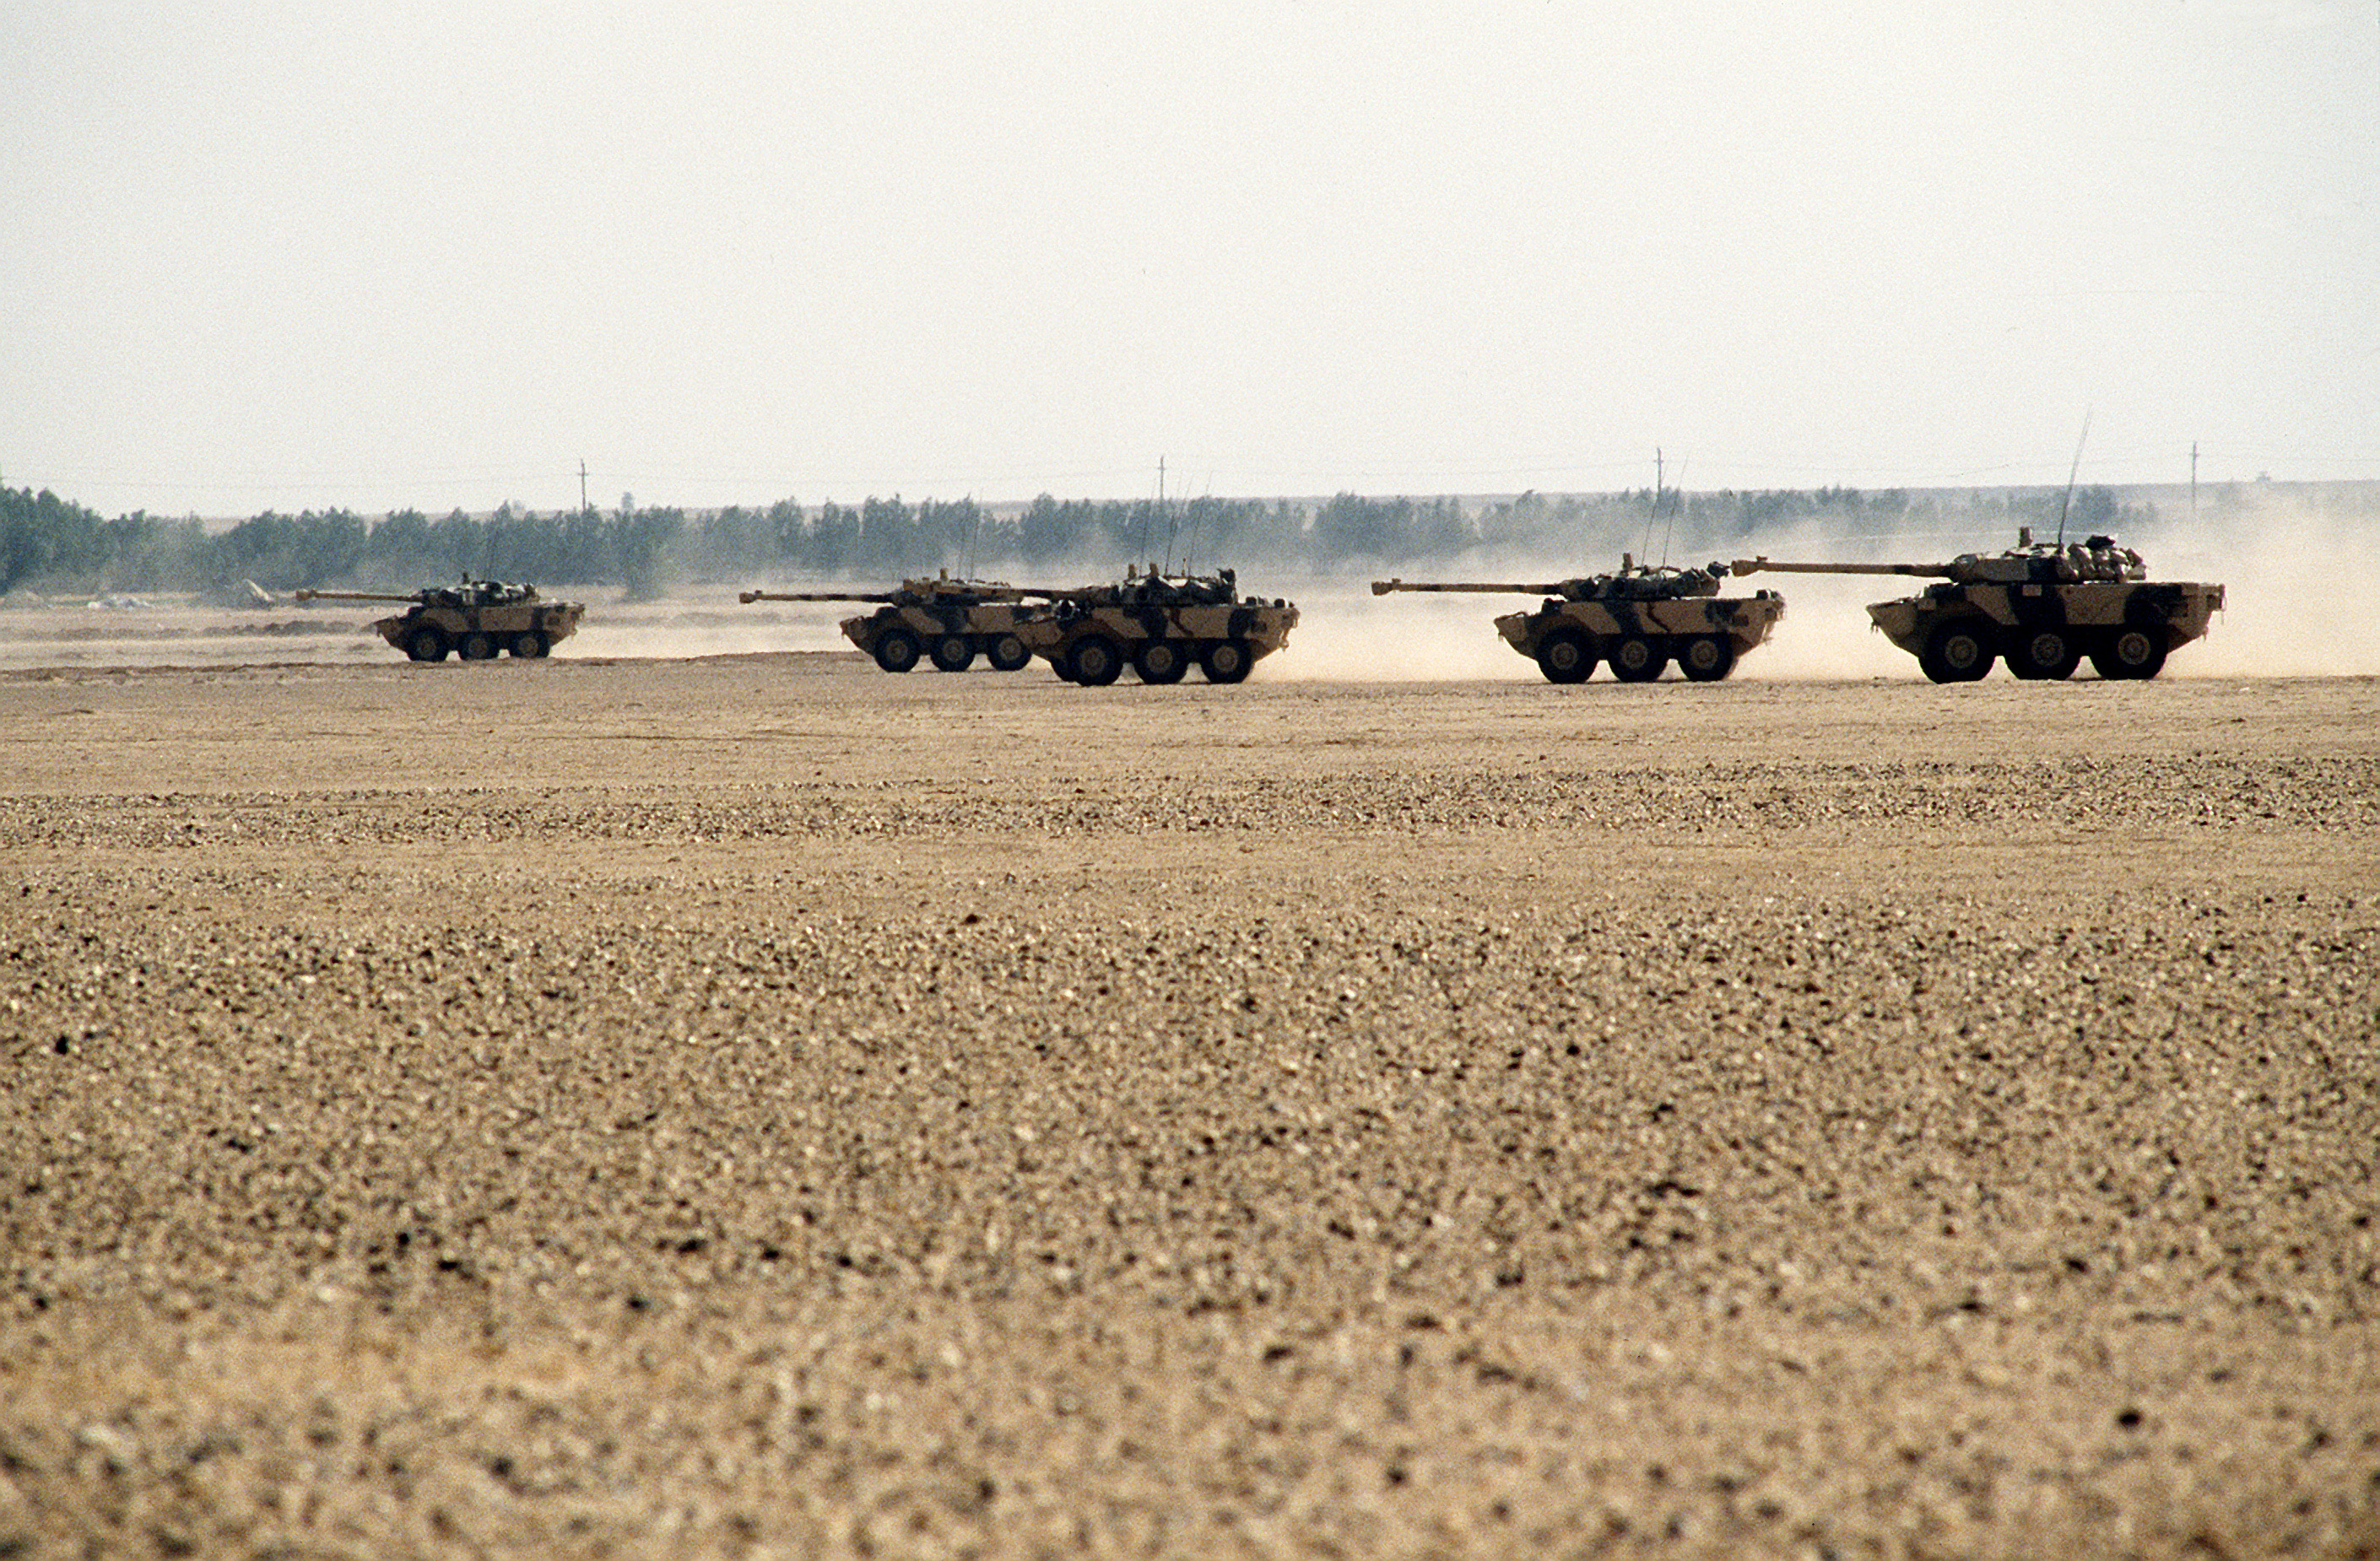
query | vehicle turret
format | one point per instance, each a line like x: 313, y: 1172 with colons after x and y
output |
x: 2041, y: 606
x: 2029, y: 563
x: 1631, y: 581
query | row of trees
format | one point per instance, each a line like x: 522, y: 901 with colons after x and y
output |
x: 47, y: 543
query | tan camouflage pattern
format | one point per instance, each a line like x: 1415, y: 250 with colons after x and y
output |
x: 1638, y: 639
x: 2044, y: 608
x: 947, y: 623
x: 949, y: 635
x: 477, y: 619
x: 1091, y: 637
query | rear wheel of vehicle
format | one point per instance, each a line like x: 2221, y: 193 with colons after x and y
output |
x: 1708, y: 658
x: 427, y: 644
x: 1638, y: 660
x: 1226, y: 660
x: 1095, y: 661
x: 529, y: 645
x: 2130, y: 654
x: 1563, y: 657
x: 896, y: 650
x: 1007, y: 654
x: 2043, y: 654
x: 954, y: 653
x: 1162, y: 661
x: 1958, y: 651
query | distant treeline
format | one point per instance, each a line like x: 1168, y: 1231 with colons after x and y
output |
x: 48, y: 544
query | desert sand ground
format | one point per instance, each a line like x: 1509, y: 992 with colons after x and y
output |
x: 756, y: 1105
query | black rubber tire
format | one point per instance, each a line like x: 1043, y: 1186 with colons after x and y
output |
x: 1007, y: 653
x: 1958, y: 651
x: 427, y: 644
x: 2044, y: 653
x: 954, y: 653
x: 477, y: 646
x: 1162, y: 661
x: 1095, y: 661
x: 529, y: 646
x: 1565, y: 658
x: 1707, y: 657
x: 1227, y: 660
x: 2129, y: 655
x: 1635, y: 658
x: 896, y: 650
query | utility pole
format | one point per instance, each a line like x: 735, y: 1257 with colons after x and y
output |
x: 582, y: 486
x: 2193, y: 482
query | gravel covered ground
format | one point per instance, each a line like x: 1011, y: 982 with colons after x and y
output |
x: 756, y: 1105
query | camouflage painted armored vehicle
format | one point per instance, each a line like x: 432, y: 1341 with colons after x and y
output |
x: 1159, y: 626
x: 475, y: 619
x: 1638, y: 622
x: 2041, y: 607
x: 947, y: 621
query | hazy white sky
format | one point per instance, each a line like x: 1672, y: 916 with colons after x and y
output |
x: 304, y: 254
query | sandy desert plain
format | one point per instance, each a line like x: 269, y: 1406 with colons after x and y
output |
x: 750, y: 1105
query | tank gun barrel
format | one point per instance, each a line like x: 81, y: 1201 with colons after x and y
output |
x: 748, y: 598
x: 1382, y: 587
x: 1752, y: 566
x: 311, y: 594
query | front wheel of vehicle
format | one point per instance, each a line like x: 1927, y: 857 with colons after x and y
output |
x: 1563, y: 657
x: 896, y: 650
x: 1957, y: 652
x: 1095, y: 661
x: 1708, y: 658
x: 1226, y: 662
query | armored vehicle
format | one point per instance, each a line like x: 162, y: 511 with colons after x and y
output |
x: 2040, y: 606
x: 948, y: 622
x: 1637, y: 621
x: 1158, y: 624
x: 475, y: 619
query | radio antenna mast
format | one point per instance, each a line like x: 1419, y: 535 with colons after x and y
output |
x: 2068, y: 502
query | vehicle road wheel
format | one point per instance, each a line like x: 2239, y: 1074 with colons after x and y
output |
x: 2042, y: 654
x: 954, y: 653
x: 1095, y: 661
x: 1708, y: 658
x: 427, y: 644
x: 2130, y: 654
x: 477, y: 646
x: 529, y: 645
x: 1957, y: 652
x: 1162, y: 661
x: 1638, y: 660
x: 896, y: 650
x: 1563, y: 657
x: 1007, y: 654
x: 1226, y: 660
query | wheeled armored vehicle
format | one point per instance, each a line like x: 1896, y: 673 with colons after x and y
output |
x: 1159, y: 625
x: 947, y: 621
x: 2040, y: 606
x: 1636, y: 621
x: 475, y: 619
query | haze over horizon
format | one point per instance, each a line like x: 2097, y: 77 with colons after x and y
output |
x: 277, y: 256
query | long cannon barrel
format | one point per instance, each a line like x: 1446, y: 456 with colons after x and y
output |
x: 1929, y: 571
x: 748, y: 598
x: 1382, y: 587
x: 308, y: 595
